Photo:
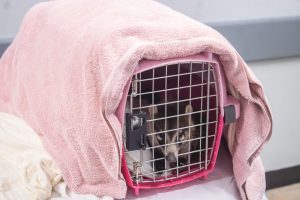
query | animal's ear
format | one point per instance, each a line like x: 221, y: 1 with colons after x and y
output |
x: 152, y: 111
x: 188, y: 108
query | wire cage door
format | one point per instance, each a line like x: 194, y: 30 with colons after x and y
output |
x: 173, y: 122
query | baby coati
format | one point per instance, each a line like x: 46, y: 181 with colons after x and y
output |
x: 170, y: 135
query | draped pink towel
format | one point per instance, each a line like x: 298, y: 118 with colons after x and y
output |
x: 65, y: 72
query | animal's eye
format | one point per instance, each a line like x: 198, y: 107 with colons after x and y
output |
x: 160, y: 137
x: 156, y: 128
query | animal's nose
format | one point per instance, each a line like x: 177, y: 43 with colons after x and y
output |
x: 171, y: 157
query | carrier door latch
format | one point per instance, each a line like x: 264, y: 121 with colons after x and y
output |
x: 229, y: 112
x: 136, y: 131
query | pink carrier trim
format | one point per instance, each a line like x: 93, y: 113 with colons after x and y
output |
x: 223, y: 100
x: 204, y: 173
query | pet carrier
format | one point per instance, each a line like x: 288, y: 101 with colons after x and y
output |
x: 175, y: 112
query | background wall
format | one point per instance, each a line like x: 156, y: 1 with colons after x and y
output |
x: 12, y: 11
x: 281, y: 81
x: 11, y: 14
x: 229, y: 10
x: 279, y: 76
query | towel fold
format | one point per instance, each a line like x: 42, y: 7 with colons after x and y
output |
x: 65, y: 72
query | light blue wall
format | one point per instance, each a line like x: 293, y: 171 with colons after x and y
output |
x: 11, y: 14
x: 235, y: 10
x: 280, y: 78
x: 12, y: 11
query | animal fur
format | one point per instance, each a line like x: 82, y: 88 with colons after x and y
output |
x: 171, y: 144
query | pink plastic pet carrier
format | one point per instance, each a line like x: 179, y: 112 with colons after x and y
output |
x: 175, y: 113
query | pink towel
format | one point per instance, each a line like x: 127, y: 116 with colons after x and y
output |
x: 65, y: 72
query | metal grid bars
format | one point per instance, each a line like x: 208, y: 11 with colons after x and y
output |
x: 181, y: 103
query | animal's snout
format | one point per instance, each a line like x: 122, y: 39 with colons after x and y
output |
x: 171, y: 157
